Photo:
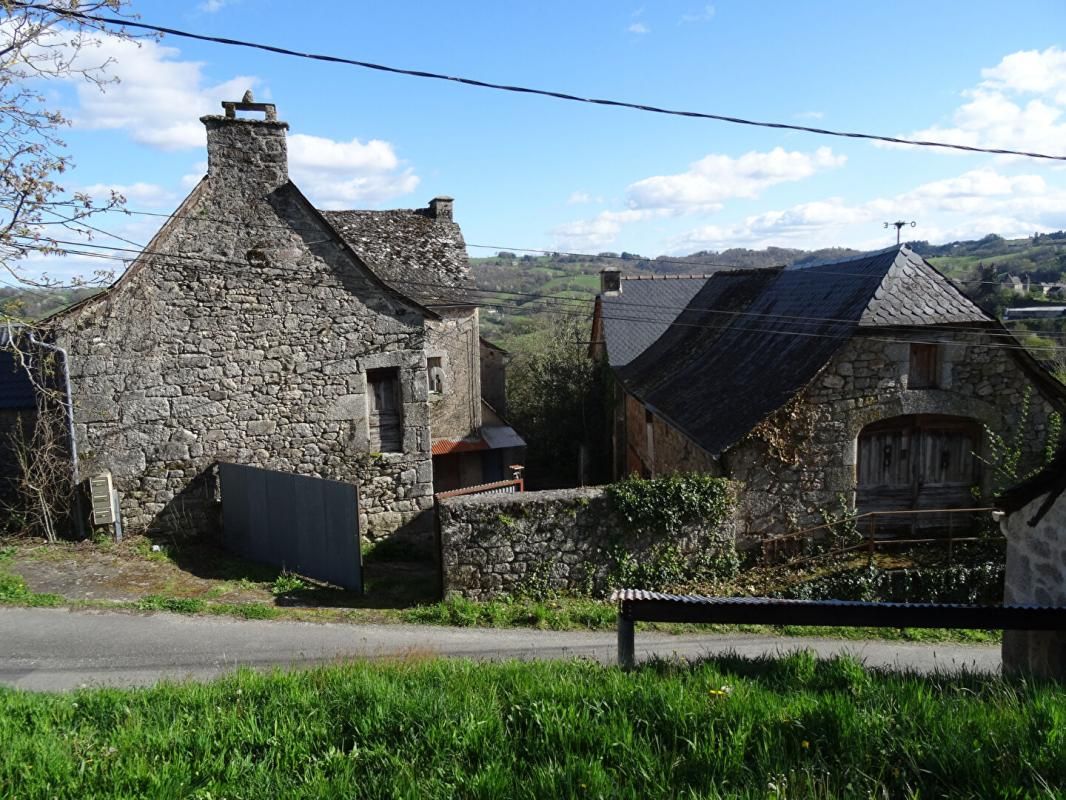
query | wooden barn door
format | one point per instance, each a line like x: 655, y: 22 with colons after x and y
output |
x: 918, y: 462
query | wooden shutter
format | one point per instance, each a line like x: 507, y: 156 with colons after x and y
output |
x: 386, y: 410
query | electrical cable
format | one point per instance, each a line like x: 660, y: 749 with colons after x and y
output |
x: 573, y: 312
x: 510, y: 294
x: 123, y: 23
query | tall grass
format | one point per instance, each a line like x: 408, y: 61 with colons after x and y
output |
x: 793, y: 727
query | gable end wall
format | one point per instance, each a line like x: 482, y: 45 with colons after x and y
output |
x: 256, y: 354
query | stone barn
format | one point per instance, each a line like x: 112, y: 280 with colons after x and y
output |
x: 866, y: 384
x: 256, y: 329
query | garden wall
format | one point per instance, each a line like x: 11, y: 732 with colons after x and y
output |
x: 570, y: 540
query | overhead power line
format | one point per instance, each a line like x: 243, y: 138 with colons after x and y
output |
x: 564, y: 307
x: 118, y: 22
x: 696, y: 265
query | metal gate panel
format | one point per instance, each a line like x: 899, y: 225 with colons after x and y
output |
x: 309, y: 526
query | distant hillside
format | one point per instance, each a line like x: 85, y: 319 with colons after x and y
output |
x: 29, y: 304
x: 995, y: 272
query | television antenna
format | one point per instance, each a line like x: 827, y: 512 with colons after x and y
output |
x: 899, y: 225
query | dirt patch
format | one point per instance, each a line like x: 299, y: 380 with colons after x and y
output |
x: 138, y: 568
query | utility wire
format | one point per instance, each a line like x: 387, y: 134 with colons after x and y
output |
x: 531, y: 91
x: 590, y: 256
x: 728, y: 324
x: 510, y: 294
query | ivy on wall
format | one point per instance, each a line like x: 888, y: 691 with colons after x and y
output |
x: 671, y: 502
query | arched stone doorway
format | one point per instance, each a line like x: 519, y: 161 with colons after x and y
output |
x: 918, y: 461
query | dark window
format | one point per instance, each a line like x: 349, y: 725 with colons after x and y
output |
x: 386, y: 410
x: 925, y: 363
x: 435, y: 368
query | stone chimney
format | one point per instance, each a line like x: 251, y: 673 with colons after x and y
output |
x: 247, y: 150
x: 440, y: 207
x: 610, y: 281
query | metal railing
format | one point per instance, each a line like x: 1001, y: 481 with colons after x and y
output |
x: 497, y: 487
x: 871, y: 541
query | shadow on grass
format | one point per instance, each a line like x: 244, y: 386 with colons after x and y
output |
x: 396, y: 575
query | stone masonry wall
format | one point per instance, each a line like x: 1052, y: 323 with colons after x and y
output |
x: 245, y: 335
x: 803, y: 458
x: 455, y: 413
x: 497, y: 545
x: 1036, y: 575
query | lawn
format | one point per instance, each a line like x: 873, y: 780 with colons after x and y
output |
x: 792, y: 727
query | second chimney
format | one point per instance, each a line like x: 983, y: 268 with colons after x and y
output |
x: 440, y: 207
x: 611, y: 280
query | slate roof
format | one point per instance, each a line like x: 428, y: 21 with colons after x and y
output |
x: 747, y: 341
x: 419, y: 256
x: 16, y: 390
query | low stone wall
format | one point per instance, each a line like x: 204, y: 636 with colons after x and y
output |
x: 566, y: 540
x: 1036, y: 575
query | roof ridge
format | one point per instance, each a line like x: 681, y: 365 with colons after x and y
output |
x: 704, y: 276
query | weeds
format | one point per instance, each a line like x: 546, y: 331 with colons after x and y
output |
x: 730, y: 727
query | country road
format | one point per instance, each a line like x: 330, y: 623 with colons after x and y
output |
x: 57, y: 649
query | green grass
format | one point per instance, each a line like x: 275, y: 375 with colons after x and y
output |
x: 13, y: 591
x: 793, y: 727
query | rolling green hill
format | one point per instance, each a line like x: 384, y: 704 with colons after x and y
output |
x: 982, y: 268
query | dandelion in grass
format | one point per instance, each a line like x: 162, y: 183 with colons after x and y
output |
x: 725, y: 691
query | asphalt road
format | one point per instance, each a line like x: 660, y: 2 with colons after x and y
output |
x: 47, y: 649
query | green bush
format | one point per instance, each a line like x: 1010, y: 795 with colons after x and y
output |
x: 671, y: 502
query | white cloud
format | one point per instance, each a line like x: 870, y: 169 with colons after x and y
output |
x: 600, y: 231
x: 967, y: 206
x: 809, y: 115
x: 703, y: 15
x: 158, y: 98
x: 1019, y: 105
x: 342, y: 174
x: 638, y: 28
x: 190, y: 179
x: 211, y: 6
x: 149, y: 194
x: 715, y: 178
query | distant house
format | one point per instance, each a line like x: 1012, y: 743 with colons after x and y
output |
x: 256, y: 329
x: 864, y: 382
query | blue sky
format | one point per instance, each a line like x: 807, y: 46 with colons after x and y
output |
x: 532, y: 172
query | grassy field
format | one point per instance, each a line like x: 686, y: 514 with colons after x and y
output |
x: 793, y: 727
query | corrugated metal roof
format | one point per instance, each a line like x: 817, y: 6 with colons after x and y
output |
x: 443, y: 447
x: 499, y: 437
x: 639, y: 595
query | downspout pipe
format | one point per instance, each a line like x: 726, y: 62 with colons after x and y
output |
x: 69, y: 404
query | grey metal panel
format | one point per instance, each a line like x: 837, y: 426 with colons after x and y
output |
x: 309, y: 526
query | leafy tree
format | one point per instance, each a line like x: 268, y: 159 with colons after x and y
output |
x: 555, y: 400
x: 41, y: 42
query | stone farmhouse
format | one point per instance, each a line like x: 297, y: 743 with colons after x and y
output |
x: 256, y: 329
x: 865, y: 383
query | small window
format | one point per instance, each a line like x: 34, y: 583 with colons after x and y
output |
x: 925, y: 363
x: 385, y: 410
x: 435, y: 368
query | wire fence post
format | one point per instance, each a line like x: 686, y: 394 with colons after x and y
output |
x: 870, y: 542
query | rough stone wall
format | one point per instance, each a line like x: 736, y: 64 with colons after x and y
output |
x: 455, y: 413
x: 1036, y: 575
x: 670, y: 451
x: 245, y: 336
x: 803, y: 458
x: 494, y: 378
x: 497, y: 545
